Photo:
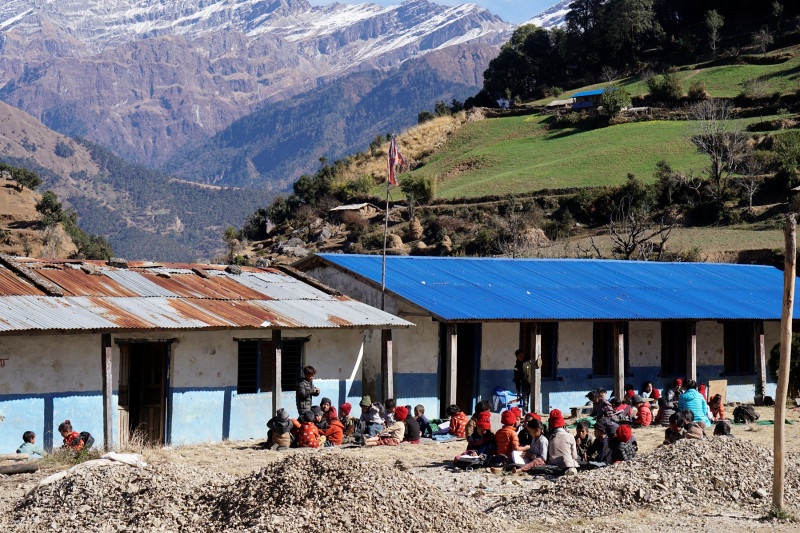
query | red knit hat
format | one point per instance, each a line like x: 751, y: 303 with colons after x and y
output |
x: 332, y: 413
x: 517, y: 412
x: 508, y: 418
x: 345, y: 409
x: 534, y: 415
x: 484, y: 420
x: 678, y: 381
x: 630, y: 394
x: 401, y: 413
x: 556, y: 419
x: 623, y: 433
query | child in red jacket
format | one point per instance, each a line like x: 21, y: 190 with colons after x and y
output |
x: 644, y: 416
x: 72, y: 439
x: 308, y: 437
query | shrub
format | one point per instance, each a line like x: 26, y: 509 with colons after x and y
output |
x: 697, y: 91
x: 615, y: 99
x: 754, y: 88
x: 666, y: 88
x: 64, y: 150
x: 424, y: 116
x: 356, y: 225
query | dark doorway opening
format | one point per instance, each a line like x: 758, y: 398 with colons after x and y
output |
x: 143, y: 387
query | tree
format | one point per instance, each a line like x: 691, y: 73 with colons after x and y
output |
x: 777, y: 12
x: 608, y: 74
x: 441, y: 109
x: 635, y: 234
x: 232, y: 243
x: 762, y: 39
x: 418, y: 190
x: 749, y: 181
x: 51, y: 209
x: 629, y: 22
x: 714, y: 22
x: 665, y: 88
x: 719, y: 137
x: 424, y: 116
x: 23, y: 177
x: 615, y: 99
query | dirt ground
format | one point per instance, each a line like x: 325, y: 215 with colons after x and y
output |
x: 432, y: 463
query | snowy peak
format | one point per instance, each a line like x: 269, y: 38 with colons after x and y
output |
x: 553, y: 16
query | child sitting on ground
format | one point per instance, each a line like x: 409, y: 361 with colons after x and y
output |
x: 676, y: 430
x: 621, y: 447
x: 391, y: 436
x: 649, y: 392
x: 644, y: 417
x: 279, y: 433
x: 716, y: 408
x: 562, y: 450
x: 722, y: 429
x: 480, y: 407
x: 694, y: 429
x: 622, y: 411
x: 583, y: 440
x: 334, y: 434
x: 325, y: 404
x: 599, y: 451
x: 370, y: 416
x: 537, y: 451
x: 507, y: 439
x: 524, y: 435
x: 389, y: 407
x: 72, y: 439
x: 308, y: 436
x: 29, y: 446
x: 411, y: 434
x: 424, y: 426
x: 482, y: 441
x: 458, y: 422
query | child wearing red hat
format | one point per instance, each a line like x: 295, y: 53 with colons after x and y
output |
x: 562, y: 451
x: 620, y: 446
x: 480, y: 407
x: 482, y: 441
x: 335, y: 430
x: 411, y: 434
x: 506, y: 439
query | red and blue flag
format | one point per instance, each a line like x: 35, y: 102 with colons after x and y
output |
x: 395, y: 158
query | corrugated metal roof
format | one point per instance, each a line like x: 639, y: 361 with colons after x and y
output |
x: 588, y: 93
x: 575, y: 289
x: 106, y: 298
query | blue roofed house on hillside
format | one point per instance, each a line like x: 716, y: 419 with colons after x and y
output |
x: 597, y: 323
x: 588, y: 99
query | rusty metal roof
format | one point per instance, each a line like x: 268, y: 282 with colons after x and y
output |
x: 150, y: 295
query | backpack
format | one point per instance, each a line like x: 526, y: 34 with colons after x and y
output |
x: 88, y: 440
x: 745, y: 414
x: 470, y: 462
x: 527, y: 369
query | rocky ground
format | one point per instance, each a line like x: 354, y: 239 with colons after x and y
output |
x: 716, y: 485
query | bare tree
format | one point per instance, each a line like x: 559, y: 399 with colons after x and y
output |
x: 589, y: 251
x: 635, y: 234
x: 721, y: 139
x: 514, y: 224
x: 762, y: 39
x: 608, y: 74
x: 52, y: 242
x: 749, y: 182
x: 714, y: 22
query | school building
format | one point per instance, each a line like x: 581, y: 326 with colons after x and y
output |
x: 590, y: 323
x: 183, y: 353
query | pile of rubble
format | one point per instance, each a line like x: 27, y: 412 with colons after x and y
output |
x: 304, y: 492
x: 715, y: 473
x: 329, y: 493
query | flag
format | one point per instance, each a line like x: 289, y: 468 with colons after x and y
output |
x: 394, y: 159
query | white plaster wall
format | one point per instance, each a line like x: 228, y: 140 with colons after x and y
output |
x: 710, y: 343
x: 644, y: 343
x: 40, y: 364
x: 499, y: 341
x: 575, y: 344
x: 772, y: 334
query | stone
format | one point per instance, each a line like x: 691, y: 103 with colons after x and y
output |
x: 760, y: 493
x: 323, y: 235
x: 294, y: 242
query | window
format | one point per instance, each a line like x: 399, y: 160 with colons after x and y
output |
x: 604, y: 345
x: 256, y: 365
x: 675, y: 347
x: 740, y: 347
x: 549, y: 345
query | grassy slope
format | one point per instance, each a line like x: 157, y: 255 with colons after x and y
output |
x: 724, y: 81
x: 519, y: 154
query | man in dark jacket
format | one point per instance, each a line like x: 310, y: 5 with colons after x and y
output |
x: 522, y: 378
x: 306, y: 390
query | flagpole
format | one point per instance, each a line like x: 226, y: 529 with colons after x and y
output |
x: 386, y: 232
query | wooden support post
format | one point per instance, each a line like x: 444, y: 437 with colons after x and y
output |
x: 450, y: 365
x: 535, y: 402
x: 618, y: 358
x: 105, y: 365
x: 783, y: 370
x: 276, y: 375
x: 691, y: 352
x: 387, y: 370
x: 761, y: 364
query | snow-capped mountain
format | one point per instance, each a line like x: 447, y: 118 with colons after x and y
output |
x: 150, y: 76
x: 553, y: 16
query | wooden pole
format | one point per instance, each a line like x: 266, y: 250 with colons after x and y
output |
x: 619, y: 360
x: 786, y: 349
x: 535, y: 402
x: 105, y: 365
x: 386, y: 230
x: 691, y: 352
x: 277, y: 353
x: 387, y: 374
x: 450, y: 365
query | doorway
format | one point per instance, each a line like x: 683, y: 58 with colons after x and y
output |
x: 143, y: 385
x: 467, y: 365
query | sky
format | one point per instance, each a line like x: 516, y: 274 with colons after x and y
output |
x: 515, y: 11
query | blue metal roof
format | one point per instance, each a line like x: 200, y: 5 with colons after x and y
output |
x: 588, y: 93
x: 575, y: 289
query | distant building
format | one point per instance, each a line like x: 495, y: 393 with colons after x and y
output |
x: 588, y: 99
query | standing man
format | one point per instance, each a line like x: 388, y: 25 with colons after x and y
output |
x: 522, y: 378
